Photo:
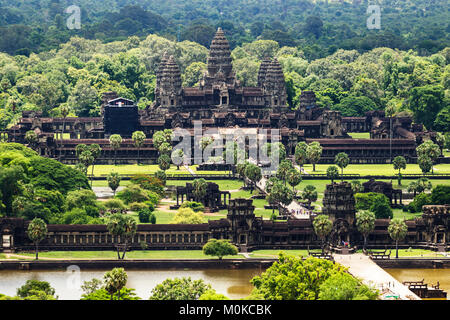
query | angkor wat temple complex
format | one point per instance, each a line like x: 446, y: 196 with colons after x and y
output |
x: 220, y: 101
x: 244, y: 229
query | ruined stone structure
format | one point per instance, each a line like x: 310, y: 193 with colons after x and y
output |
x: 395, y: 196
x: 220, y: 101
x: 244, y: 229
x: 214, y: 199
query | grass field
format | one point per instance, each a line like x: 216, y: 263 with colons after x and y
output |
x: 359, y: 135
x: 190, y: 254
x: 138, y: 254
x: 377, y: 169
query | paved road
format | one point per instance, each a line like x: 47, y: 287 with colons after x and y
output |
x: 362, y: 267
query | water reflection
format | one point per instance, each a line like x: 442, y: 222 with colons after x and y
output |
x: 235, y: 284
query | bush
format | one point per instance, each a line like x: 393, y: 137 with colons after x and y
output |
x: 81, y: 198
x: 420, y: 200
x: 144, y: 215
x: 382, y: 210
x: 219, y: 248
x: 133, y: 193
x: 440, y: 195
x: 149, y: 183
x: 195, y: 206
x: 115, y: 205
x: 137, y: 206
x: 188, y: 216
x: 365, y: 200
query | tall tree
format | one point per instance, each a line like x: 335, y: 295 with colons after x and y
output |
x: 342, y: 160
x: 397, y: 231
x: 399, y: 163
x: 37, y: 231
x: 429, y: 150
x: 115, y: 140
x: 123, y: 227
x: 138, y: 140
x: 365, y: 223
x: 332, y: 173
x: 114, y: 281
x: 113, y: 181
x: 314, y: 152
x: 301, y: 156
x: 293, y: 177
x: 322, y: 227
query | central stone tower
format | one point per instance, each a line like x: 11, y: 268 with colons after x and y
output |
x: 220, y: 68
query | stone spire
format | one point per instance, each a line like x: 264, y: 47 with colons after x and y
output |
x: 219, y: 59
x: 160, y: 68
x: 170, y: 83
x: 274, y: 84
x: 262, y: 71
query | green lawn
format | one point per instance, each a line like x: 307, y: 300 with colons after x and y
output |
x: 137, y: 254
x: 377, y: 169
x: 274, y: 253
x: 359, y: 135
x: 413, y: 253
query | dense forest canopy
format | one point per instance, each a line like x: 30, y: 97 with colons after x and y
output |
x: 322, y: 46
x: 320, y: 27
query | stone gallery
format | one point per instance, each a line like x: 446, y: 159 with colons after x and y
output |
x: 221, y: 102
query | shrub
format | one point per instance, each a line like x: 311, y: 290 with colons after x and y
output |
x: 420, y: 200
x: 219, y: 248
x: 137, y: 206
x: 195, y: 206
x: 133, y: 193
x: 115, y: 205
x: 440, y: 195
x: 187, y: 216
x: 144, y: 215
x: 149, y: 183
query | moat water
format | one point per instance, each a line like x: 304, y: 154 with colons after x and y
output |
x: 430, y: 277
x: 233, y: 283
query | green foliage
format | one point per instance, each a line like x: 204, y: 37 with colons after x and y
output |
x: 114, y: 205
x: 80, y: 199
x: 343, y: 286
x: 114, y: 281
x: 375, y: 202
x: 219, y: 248
x: 34, y: 287
x: 440, y: 195
x: 102, y: 294
x: 292, y: 278
x: 332, y: 173
x: 420, y: 200
x: 310, y: 194
x: 113, y: 179
x: 146, y: 215
x: 322, y: 226
x: 195, y: 206
x: 179, y: 289
x: 133, y: 193
x: 187, y: 216
x: 213, y: 295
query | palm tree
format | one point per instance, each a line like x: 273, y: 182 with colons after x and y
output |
x: 342, y: 161
x: 37, y: 231
x: 322, y: 227
x: 397, y: 230
x: 114, y: 281
x: 365, y: 223
x: 115, y: 140
x: 138, y: 139
x: 96, y: 151
x: 113, y: 181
